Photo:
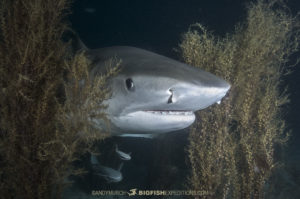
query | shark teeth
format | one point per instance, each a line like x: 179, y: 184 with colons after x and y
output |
x: 171, y: 112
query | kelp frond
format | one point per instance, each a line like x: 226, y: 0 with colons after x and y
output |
x: 232, y: 145
x: 40, y: 88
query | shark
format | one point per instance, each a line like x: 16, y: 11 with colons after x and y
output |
x: 152, y: 94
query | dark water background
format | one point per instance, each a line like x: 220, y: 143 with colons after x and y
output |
x: 158, y: 25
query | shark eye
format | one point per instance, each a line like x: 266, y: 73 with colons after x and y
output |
x: 129, y: 84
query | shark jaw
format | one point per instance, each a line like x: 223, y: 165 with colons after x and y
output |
x: 158, y: 121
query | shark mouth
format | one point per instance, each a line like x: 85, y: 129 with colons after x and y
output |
x: 154, y: 121
x: 171, y: 112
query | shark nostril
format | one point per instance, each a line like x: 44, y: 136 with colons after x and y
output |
x: 170, y: 98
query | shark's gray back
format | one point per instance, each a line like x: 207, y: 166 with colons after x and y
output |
x: 132, y: 58
x: 138, y: 61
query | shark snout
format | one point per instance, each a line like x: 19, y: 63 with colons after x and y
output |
x: 194, y: 97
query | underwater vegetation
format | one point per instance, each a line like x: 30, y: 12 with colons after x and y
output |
x: 44, y: 90
x: 232, y: 146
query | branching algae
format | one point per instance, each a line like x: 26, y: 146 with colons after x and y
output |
x: 38, y: 141
x: 231, y: 150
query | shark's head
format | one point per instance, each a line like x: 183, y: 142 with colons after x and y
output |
x: 155, y: 94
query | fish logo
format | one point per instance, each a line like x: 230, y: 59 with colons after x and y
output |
x: 132, y: 192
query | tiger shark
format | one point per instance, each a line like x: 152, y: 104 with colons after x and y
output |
x: 153, y: 94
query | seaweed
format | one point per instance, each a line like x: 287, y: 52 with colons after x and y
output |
x: 46, y: 98
x: 232, y: 146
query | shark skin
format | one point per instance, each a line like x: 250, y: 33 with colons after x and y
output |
x: 153, y: 94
